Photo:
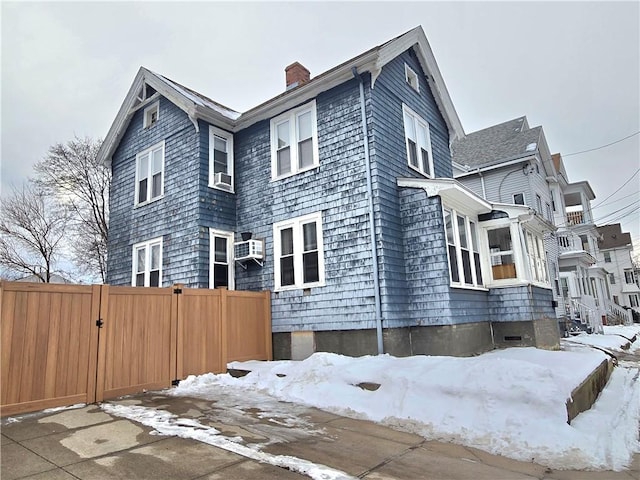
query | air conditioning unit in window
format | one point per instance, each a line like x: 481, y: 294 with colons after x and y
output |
x: 249, y: 250
x: 222, y: 180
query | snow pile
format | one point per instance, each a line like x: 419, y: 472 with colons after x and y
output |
x: 624, y: 330
x: 509, y: 402
x: 610, y: 342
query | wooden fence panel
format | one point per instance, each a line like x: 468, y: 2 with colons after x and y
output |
x: 200, y: 333
x: 49, y: 344
x: 247, y: 319
x: 135, y: 341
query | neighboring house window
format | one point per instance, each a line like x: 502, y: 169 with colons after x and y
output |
x: 538, y: 204
x: 553, y: 200
x: 607, y: 257
x: 612, y: 279
x: 462, y: 243
x: 411, y: 77
x: 549, y: 214
x: 418, y: 142
x: 615, y: 300
x: 298, y: 252
x: 294, y: 141
x: 221, y: 259
x: 518, y: 198
x: 633, y: 301
x: 149, y: 174
x: 220, y: 159
x: 628, y: 277
x: 151, y: 114
x: 536, y: 256
x: 147, y: 264
x: 503, y: 265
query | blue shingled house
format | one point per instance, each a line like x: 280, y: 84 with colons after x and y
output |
x: 337, y: 195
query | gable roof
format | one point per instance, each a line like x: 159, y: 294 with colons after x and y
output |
x: 198, y: 106
x: 508, y: 141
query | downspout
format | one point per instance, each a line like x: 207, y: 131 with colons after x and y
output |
x: 372, y: 228
x: 484, y: 189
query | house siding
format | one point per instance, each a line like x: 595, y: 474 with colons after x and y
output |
x: 174, y: 217
x: 389, y: 162
x: 337, y: 188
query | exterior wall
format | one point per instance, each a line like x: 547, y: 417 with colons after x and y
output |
x: 389, y: 161
x: 174, y: 217
x: 337, y: 188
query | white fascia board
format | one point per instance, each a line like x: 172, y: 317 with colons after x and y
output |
x: 452, y: 192
x: 417, y: 40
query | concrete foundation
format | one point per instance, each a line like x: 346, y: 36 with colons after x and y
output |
x: 541, y: 333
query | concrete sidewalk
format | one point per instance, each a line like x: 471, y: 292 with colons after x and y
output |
x: 87, y: 443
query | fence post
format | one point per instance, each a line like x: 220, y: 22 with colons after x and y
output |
x: 176, y: 364
x: 101, y: 363
x: 267, y: 324
x: 224, y: 331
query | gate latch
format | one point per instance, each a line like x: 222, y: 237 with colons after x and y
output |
x: 99, y: 323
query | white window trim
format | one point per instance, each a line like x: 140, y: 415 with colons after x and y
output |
x: 418, y: 119
x: 408, y: 74
x: 149, y: 177
x: 472, y: 250
x: 230, y: 161
x: 134, y: 262
x: 230, y: 255
x: 296, y: 225
x: 145, y: 119
x: 291, y: 117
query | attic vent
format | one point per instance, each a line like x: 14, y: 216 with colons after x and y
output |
x: 531, y: 147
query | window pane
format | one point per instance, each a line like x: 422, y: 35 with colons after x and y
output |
x: 284, y: 161
x: 286, y: 241
x: 286, y: 271
x: 305, y: 153
x: 220, y: 275
x: 462, y: 231
x: 476, y: 258
x: 157, y: 185
x: 154, y: 278
x: 409, y: 127
x: 453, y: 264
x: 143, y: 167
x: 142, y: 256
x: 474, y: 236
x: 310, y: 267
x: 304, y: 126
x: 220, y: 249
x: 219, y: 144
x: 413, y: 154
x: 140, y: 280
x: 426, y: 168
x: 155, y: 257
x: 500, y: 238
x: 157, y: 161
x: 448, y: 226
x: 219, y: 162
x: 466, y: 266
x: 310, y: 238
x: 142, y: 191
x: 283, y: 135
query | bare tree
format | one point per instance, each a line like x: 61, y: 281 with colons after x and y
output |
x: 31, y: 232
x: 72, y: 173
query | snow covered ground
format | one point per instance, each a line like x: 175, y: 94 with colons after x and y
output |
x: 614, y: 338
x: 509, y: 402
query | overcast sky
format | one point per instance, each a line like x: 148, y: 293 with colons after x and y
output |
x: 573, y: 68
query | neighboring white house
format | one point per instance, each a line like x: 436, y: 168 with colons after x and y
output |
x: 615, y: 254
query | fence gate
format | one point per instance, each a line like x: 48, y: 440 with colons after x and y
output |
x: 66, y: 344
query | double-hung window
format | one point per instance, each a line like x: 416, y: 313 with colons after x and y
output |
x: 150, y: 174
x: 147, y: 264
x: 221, y: 259
x: 607, y: 257
x: 629, y: 278
x: 501, y: 253
x: 536, y: 256
x: 298, y: 252
x: 294, y: 141
x: 220, y: 159
x: 462, y: 243
x: 418, y: 142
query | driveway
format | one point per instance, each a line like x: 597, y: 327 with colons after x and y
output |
x: 239, y: 439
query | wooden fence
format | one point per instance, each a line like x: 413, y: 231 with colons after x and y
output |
x: 66, y: 344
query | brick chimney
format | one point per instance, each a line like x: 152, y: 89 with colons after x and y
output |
x: 296, y: 75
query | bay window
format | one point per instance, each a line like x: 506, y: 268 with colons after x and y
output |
x: 462, y: 246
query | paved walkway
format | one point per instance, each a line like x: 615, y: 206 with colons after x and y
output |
x: 87, y: 443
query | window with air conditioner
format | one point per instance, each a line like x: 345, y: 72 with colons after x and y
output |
x: 220, y: 159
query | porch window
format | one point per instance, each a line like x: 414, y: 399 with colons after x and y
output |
x: 536, y: 256
x: 503, y: 265
x: 298, y: 252
x: 462, y: 245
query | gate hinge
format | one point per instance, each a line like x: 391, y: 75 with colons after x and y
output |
x: 177, y: 290
x: 99, y: 323
x: 174, y: 383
